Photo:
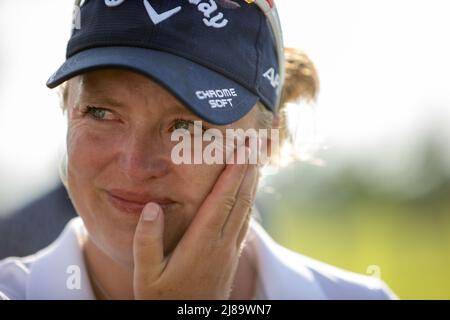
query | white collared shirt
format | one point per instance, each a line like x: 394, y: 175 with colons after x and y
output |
x: 282, y: 273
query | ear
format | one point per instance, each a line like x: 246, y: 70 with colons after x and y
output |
x: 63, y: 170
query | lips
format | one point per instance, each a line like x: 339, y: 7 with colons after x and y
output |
x: 133, y: 202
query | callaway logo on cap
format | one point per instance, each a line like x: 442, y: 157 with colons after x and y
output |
x: 217, y: 57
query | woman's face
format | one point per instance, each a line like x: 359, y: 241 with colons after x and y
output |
x: 119, y: 145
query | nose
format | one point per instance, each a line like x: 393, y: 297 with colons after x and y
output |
x: 143, y: 158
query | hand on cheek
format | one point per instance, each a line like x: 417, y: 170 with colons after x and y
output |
x: 203, y: 264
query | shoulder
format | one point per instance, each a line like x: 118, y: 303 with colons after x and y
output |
x: 339, y: 284
x: 286, y: 274
x: 44, y: 275
x: 14, y: 273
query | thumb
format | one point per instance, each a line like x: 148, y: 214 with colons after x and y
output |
x: 148, y: 247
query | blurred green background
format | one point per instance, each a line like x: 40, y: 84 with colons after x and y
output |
x: 354, y: 214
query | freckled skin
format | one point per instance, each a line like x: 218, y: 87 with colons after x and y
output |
x: 131, y: 151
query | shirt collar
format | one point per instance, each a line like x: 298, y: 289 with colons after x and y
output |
x: 59, y: 271
x: 282, y: 274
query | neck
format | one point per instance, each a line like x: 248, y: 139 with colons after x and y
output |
x: 110, y: 280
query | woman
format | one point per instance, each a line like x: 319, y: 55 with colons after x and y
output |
x: 151, y: 228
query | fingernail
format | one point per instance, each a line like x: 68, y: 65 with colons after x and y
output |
x: 150, y: 212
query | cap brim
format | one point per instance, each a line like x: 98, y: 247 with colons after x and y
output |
x: 193, y: 84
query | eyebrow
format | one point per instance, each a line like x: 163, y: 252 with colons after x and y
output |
x: 102, y: 96
x: 99, y: 96
x: 176, y: 108
x: 182, y: 109
x: 106, y: 101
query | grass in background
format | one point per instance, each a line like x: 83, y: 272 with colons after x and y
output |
x: 413, y: 254
x: 350, y: 216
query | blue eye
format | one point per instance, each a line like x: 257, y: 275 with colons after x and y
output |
x: 188, y: 125
x: 96, y: 113
x: 183, y: 124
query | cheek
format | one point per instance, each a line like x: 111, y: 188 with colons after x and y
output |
x: 192, y: 183
x: 85, y: 160
x: 79, y: 150
x: 197, y: 181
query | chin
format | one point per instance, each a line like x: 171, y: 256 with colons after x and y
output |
x: 174, y: 230
x: 114, y: 231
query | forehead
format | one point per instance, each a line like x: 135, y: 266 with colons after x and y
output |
x: 124, y: 87
x: 110, y: 81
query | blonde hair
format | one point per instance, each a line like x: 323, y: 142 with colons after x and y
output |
x: 301, y: 83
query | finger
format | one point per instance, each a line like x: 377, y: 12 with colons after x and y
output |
x: 242, y: 207
x: 148, y: 246
x: 244, y: 228
x: 210, y: 218
x: 246, y: 223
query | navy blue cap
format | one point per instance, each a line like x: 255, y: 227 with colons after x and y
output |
x: 218, y: 57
